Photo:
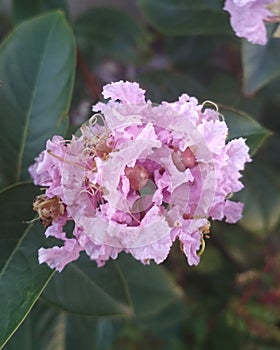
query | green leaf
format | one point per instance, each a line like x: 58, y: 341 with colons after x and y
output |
x: 22, y: 279
x: 225, y: 335
x: 261, y: 213
x: 23, y: 9
x: 110, y: 33
x: 242, y: 125
x: 16, y: 207
x: 180, y: 17
x: 43, y: 329
x: 236, y: 243
x: 261, y: 64
x: 169, y: 316
x: 121, y: 288
x: 99, y: 333
x: 151, y: 281
x: 46, y: 328
x: 84, y: 289
x: 211, y: 261
x: 37, y: 64
x: 167, y: 85
x: 22, y: 338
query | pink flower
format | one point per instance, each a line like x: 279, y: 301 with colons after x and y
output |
x: 150, y: 175
x: 58, y: 257
x: 247, y: 19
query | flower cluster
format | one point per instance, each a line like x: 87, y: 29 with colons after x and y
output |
x: 247, y: 18
x: 136, y: 178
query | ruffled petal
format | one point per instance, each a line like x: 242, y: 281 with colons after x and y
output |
x: 247, y: 19
x: 58, y: 257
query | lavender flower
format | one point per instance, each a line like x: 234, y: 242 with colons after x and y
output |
x: 148, y: 176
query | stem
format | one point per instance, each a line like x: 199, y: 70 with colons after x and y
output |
x: 93, y: 87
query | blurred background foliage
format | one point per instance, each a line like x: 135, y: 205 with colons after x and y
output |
x: 54, y: 59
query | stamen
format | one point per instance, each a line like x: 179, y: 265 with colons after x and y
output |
x: 94, y: 119
x: 222, y: 118
x: 66, y: 160
x: 210, y: 103
x: 213, y: 105
x: 30, y: 221
x: 202, y: 247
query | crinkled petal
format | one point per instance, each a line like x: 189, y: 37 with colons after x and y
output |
x: 95, y: 250
x: 56, y: 229
x: 58, y: 257
x: 148, y: 176
x: 157, y: 251
x: 126, y: 92
x: 187, y: 231
x: 247, y: 19
x: 214, y: 134
x: 233, y: 211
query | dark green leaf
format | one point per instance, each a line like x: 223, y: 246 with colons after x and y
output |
x: 242, y: 125
x: 55, y: 4
x: 225, y: 335
x: 120, y: 288
x: 99, y: 333
x: 261, y: 199
x: 110, y: 33
x: 46, y: 328
x: 261, y: 64
x: 169, y: 316
x: 24, y: 9
x: 236, y: 243
x: 151, y: 287
x: 22, y: 338
x: 84, y: 289
x: 43, y: 329
x: 37, y: 63
x: 180, y: 17
x: 16, y: 207
x: 22, y: 279
x: 211, y: 261
x: 167, y: 85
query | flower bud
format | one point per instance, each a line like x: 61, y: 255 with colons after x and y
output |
x: 49, y: 209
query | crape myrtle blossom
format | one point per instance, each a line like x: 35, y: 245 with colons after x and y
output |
x: 247, y: 18
x: 143, y: 178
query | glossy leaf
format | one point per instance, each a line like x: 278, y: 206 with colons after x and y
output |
x: 22, y: 338
x: 261, y: 199
x: 110, y: 33
x: 150, y: 286
x: 241, y: 124
x: 43, y: 329
x: 84, y: 289
x: 37, y: 63
x: 22, y: 279
x: 121, y: 288
x: 261, y: 64
x: 180, y: 17
x: 47, y: 328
